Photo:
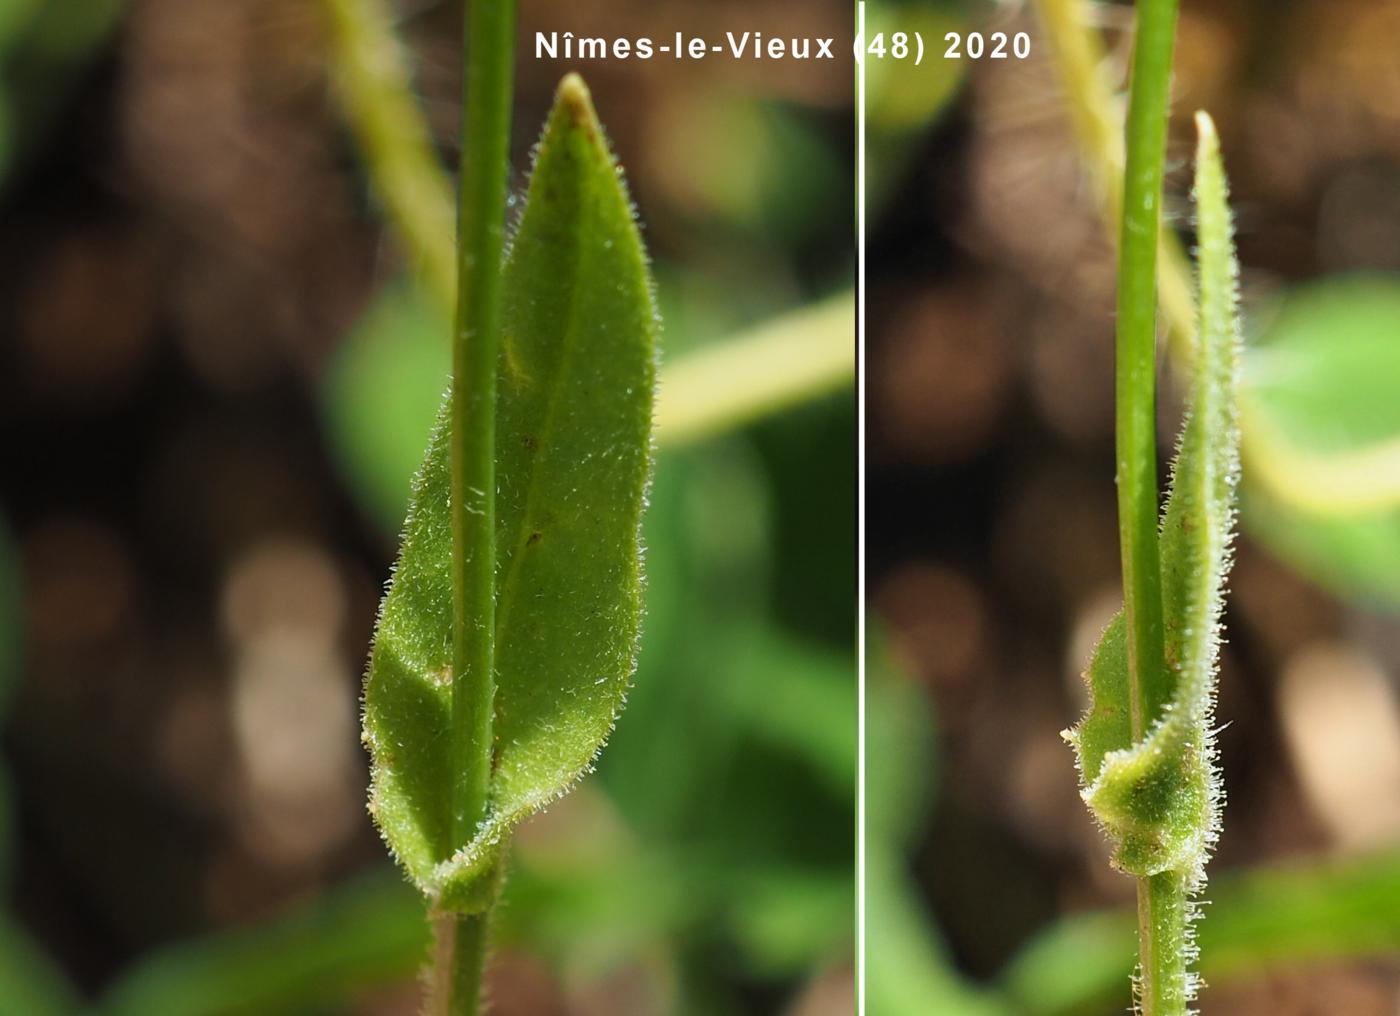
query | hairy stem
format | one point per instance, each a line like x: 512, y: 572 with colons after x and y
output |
x: 1161, y: 898
x: 458, y: 964
x: 490, y: 42
x: 393, y: 137
x: 1163, y: 909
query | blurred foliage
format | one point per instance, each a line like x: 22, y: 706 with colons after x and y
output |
x: 908, y: 970
x: 903, y: 99
x: 711, y: 855
x: 30, y: 982
x: 752, y: 184
x: 1259, y: 920
x: 44, y: 47
x: 364, y: 935
x: 747, y: 854
x: 381, y: 394
x: 1321, y: 378
x: 732, y: 890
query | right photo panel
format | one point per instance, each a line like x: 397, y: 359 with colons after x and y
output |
x: 1132, y: 495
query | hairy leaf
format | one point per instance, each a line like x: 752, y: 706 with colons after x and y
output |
x: 574, y: 416
x: 1158, y: 797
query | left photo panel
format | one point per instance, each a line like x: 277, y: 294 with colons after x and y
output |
x: 428, y: 519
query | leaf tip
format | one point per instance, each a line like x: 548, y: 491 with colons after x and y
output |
x: 573, y: 97
x: 1205, y: 130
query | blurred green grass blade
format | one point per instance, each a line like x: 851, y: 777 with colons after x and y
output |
x: 1259, y: 921
x: 396, y: 143
x: 902, y: 773
x: 907, y: 973
x: 801, y: 354
x: 359, y: 937
x: 801, y: 699
x: 30, y: 982
x: 907, y: 970
x: 573, y: 447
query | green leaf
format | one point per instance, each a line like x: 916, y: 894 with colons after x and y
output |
x: 1322, y: 435
x: 1323, y: 372
x: 573, y: 460
x: 1158, y: 797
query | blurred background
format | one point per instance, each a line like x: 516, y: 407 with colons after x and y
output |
x: 219, y: 367
x: 992, y: 539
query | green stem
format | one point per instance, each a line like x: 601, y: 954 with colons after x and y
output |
x: 1137, y: 358
x: 1336, y: 484
x: 490, y: 46
x: 1163, y: 908
x: 459, y: 964
x: 1161, y: 898
x: 1078, y: 54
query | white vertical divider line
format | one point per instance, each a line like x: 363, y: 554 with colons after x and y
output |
x: 860, y: 510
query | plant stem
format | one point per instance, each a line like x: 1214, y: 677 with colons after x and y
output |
x: 490, y: 49
x: 1078, y: 54
x: 393, y: 137
x: 458, y: 964
x: 1161, y: 898
x: 1163, y: 906
x: 1137, y: 360
x: 1338, y: 483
